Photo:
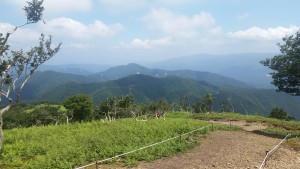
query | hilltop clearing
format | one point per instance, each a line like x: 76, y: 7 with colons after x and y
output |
x: 227, y: 150
x: 220, y: 146
x: 234, y: 149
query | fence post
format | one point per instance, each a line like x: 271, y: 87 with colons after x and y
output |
x: 97, y: 165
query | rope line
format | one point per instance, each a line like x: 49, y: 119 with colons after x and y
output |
x: 269, y: 153
x: 142, y: 148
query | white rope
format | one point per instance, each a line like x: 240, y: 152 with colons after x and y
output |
x: 269, y: 153
x: 141, y: 148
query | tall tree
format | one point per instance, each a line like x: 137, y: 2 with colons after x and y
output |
x: 81, y: 105
x: 17, y: 66
x: 205, y: 104
x: 185, y: 102
x: 286, y: 66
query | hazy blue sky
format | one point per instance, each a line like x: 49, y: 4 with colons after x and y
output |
x: 123, y: 31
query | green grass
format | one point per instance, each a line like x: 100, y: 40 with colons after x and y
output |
x: 60, y: 107
x: 67, y: 146
x: 179, y: 114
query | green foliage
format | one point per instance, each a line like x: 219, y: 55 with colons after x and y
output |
x: 279, y: 113
x: 80, y: 105
x: 147, y: 89
x: 179, y: 114
x: 117, y: 106
x: 67, y: 146
x: 286, y: 66
x: 34, y: 11
x: 185, y: 102
x: 224, y: 107
x: 159, y: 105
x: 27, y: 115
x: 45, y: 115
x: 17, y: 64
x: 205, y: 104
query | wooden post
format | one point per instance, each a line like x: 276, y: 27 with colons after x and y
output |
x: 97, y: 165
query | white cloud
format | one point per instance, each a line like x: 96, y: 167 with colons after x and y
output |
x: 21, y: 37
x: 147, y: 44
x: 6, y: 28
x: 178, y: 24
x: 257, y: 33
x: 82, y: 46
x: 75, y: 29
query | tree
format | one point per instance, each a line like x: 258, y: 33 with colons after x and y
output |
x: 45, y: 115
x: 286, y: 66
x: 81, y: 105
x: 205, y: 104
x: 117, y: 106
x: 17, y: 66
x: 279, y: 113
x: 185, y: 102
x: 224, y: 107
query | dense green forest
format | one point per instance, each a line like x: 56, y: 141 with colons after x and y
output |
x: 45, y: 93
x: 146, y: 89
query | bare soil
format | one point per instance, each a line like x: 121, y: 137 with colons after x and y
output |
x: 232, y: 150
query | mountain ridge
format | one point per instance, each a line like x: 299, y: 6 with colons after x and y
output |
x: 148, y: 88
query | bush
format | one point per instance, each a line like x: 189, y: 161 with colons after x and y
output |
x: 279, y: 113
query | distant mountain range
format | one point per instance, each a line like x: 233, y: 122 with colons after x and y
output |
x: 118, y: 72
x: 151, y: 84
x: 244, y: 67
x: 77, y: 69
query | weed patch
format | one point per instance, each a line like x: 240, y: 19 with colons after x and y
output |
x: 67, y: 146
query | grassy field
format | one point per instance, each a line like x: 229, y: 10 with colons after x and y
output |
x: 77, y: 144
x: 68, y: 146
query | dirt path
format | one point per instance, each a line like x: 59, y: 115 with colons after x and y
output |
x: 231, y: 150
x: 221, y: 149
x: 247, y: 126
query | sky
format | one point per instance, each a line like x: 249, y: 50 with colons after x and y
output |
x: 140, y: 31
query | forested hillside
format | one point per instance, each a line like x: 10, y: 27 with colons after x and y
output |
x: 41, y: 82
x: 147, y: 88
x: 118, y: 72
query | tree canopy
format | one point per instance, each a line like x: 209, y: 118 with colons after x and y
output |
x: 80, y: 105
x: 286, y: 66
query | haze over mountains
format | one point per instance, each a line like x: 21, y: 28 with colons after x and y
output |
x: 150, y: 84
x: 243, y: 67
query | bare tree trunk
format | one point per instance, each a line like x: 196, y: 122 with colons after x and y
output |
x: 2, y: 111
x: 1, y: 133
